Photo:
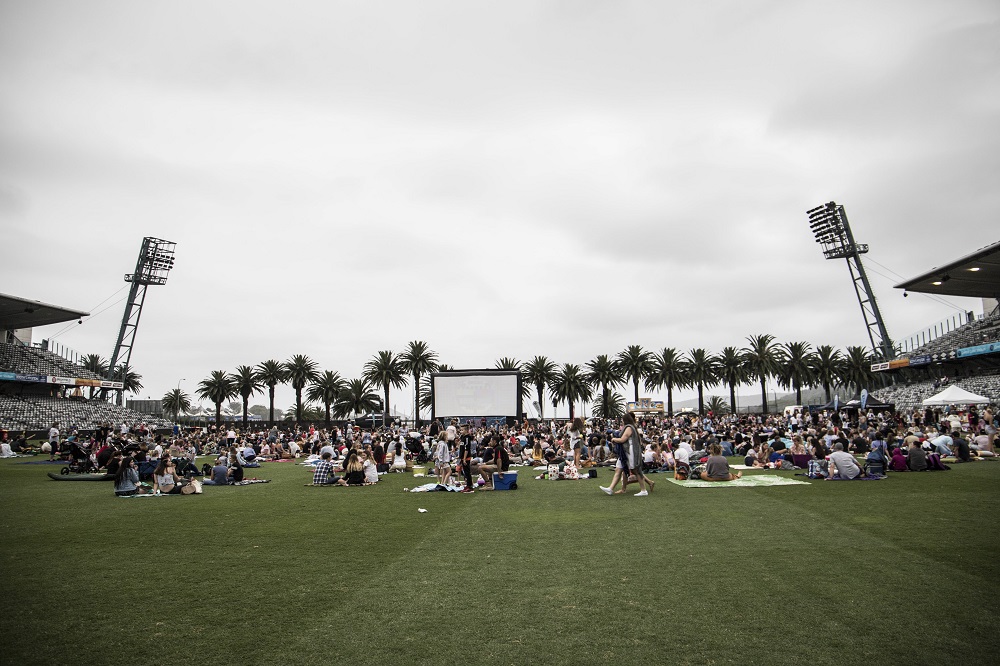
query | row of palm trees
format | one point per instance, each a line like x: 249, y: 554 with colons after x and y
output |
x: 793, y: 365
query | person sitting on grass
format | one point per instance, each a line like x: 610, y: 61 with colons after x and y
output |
x: 235, y: 468
x: 717, y: 467
x: 898, y: 463
x: 354, y: 471
x: 127, y: 479
x: 398, y: 458
x: 843, y: 465
x: 371, y: 469
x: 323, y: 471
x: 219, y: 475
x: 165, y: 479
x: 916, y: 458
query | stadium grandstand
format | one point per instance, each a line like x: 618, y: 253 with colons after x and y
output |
x: 39, y: 387
x: 968, y: 354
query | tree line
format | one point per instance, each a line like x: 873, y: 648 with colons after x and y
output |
x: 793, y: 365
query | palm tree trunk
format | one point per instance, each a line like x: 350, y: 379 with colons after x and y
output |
x: 298, y: 404
x: 606, y: 397
x: 635, y: 383
x: 385, y: 406
x: 798, y: 394
x: 763, y: 395
x: 246, y: 402
x: 701, y: 400
x: 826, y: 386
x: 540, y: 388
x: 571, y: 413
x: 270, y: 392
x: 732, y: 399
x: 416, y: 400
x: 218, y: 414
x: 326, y: 403
x: 670, y: 399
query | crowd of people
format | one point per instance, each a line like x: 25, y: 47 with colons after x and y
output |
x: 468, y: 454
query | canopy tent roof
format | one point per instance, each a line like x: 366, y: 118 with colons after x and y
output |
x: 955, y: 395
x: 975, y: 275
x: 16, y: 312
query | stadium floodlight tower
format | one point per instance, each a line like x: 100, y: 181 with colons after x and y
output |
x: 832, y: 230
x: 156, y: 258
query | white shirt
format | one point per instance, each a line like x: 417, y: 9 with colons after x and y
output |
x: 682, y: 455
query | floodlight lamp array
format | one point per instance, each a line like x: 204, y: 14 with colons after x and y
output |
x: 830, y: 231
x: 156, y: 260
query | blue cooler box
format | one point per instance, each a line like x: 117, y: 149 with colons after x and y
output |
x: 509, y: 479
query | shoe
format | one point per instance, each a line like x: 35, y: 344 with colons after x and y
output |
x: 467, y: 490
x: 607, y: 491
x: 642, y: 493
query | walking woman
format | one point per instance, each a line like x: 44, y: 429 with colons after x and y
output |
x: 629, y: 448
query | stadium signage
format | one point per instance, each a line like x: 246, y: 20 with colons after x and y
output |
x: 920, y: 360
x: 8, y: 376
x: 978, y: 350
x: 891, y: 365
x: 68, y: 381
x: 112, y: 385
x: 40, y: 379
x: 645, y: 405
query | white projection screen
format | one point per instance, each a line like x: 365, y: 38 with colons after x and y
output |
x: 476, y: 393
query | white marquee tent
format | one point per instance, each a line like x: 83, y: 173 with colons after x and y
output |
x: 955, y: 395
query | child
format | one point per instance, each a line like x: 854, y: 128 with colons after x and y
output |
x: 442, y: 458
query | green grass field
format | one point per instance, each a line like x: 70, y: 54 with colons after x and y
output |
x: 895, y: 571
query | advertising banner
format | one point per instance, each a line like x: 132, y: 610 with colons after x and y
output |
x: 40, y: 379
x: 68, y: 381
x: 879, y: 367
x: 88, y: 382
x: 7, y: 376
x: 920, y: 360
x: 978, y: 350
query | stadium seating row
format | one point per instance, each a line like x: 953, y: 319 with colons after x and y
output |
x: 912, y: 395
x: 39, y: 412
x: 977, y: 332
x: 33, y: 361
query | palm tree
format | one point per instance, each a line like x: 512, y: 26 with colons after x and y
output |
x: 762, y: 362
x: 300, y: 370
x: 270, y: 373
x: 418, y: 359
x: 356, y: 398
x: 96, y: 364
x: 668, y: 370
x: 702, y: 372
x: 611, y: 406
x: 385, y: 370
x: 604, y: 373
x: 857, y: 369
x: 246, y: 384
x: 131, y: 381
x: 796, y: 368
x: 635, y: 363
x: 826, y: 366
x: 218, y: 388
x: 732, y: 371
x: 539, y: 372
x: 326, y: 388
x: 176, y: 401
x: 571, y: 385
x: 717, y: 405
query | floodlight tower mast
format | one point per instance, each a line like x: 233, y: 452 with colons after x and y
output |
x: 156, y: 258
x: 833, y: 232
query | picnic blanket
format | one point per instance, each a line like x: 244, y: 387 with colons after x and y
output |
x: 747, y: 481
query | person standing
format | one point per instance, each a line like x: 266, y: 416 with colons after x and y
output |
x: 53, y: 441
x: 465, y: 458
x: 629, y: 448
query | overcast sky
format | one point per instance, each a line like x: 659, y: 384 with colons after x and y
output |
x: 499, y: 179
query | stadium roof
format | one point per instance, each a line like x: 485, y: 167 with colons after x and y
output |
x: 21, y: 313
x: 976, y: 275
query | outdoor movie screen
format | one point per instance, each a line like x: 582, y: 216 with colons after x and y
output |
x: 476, y: 393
